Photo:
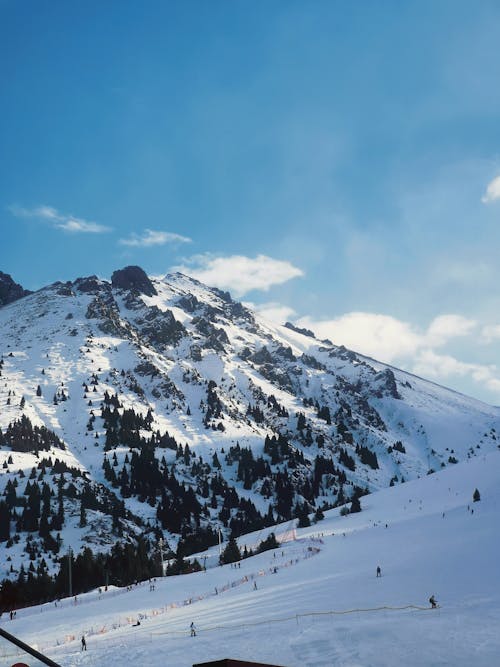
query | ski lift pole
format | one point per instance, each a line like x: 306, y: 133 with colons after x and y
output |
x: 160, y: 544
x: 70, y: 580
x: 25, y: 647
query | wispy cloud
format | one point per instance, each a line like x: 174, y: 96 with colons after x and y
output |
x: 151, y: 237
x: 445, y: 327
x: 490, y: 333
x: 432, y: 365
x: 238, y: 273
x: 376, y: 335
x: 68, y: 223
x: 492, y: 191
x: 391, y: 340
x: 387, y: 338
x: 276, y: 313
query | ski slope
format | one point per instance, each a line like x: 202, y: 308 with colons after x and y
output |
x: 323, y: 606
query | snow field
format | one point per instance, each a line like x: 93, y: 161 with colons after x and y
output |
x: 288, y: 620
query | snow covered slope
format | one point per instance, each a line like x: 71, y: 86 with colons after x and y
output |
x: 277, y: 423
x: 318, y: 602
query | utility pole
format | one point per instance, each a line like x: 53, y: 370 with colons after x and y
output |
x: 160, y: 544
x: 70, y: 581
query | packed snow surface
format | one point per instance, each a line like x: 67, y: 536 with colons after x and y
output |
x: 316, y: 600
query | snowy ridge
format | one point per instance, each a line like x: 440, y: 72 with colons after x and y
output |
x: 212, y: 375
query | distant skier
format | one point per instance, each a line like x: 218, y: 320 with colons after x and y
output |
x: 84, y: 644
x: 255, y: 585
x: 193, y: 629
x: 433, y: 602
x: 379, y: 571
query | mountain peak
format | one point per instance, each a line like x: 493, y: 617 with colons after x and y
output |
x: 9, y: 290
x: 133, y: 278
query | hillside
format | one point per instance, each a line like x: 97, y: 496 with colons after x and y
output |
x: 318, y: 601
x: 151, y: 407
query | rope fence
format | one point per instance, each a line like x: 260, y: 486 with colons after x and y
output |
x: 124, y: 621
x: 295, y: 617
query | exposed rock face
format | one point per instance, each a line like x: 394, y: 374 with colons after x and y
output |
x: 161, y: 328
x: 103, y: 308
x: 89, y: 285
x: 262, y: 356
x: 189, y: 303
x: 304, y: 332
x: 9, y: 290
x: 215, y: 338
x: 133, y: 278
x: 388, y: 384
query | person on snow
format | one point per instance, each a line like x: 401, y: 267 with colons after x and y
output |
x: 433, y: 602
x: 84, y: 644
x: 193, y: 629
x: 379, y: 571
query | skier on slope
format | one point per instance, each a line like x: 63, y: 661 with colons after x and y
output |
x: 379, y: 571
x: 433, y: 602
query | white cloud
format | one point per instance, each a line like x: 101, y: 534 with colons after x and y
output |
x: 272, y: 311
x: 429, y: 364
x: 238, y: 273
x: 445, y: 327
x: 68, y: 223
x: 492, y: 191
x: 380, y: 336
x: 385, y: 337
x: 390, y: 340
x: 490, y: 333
x: 151, y: 237
x: 78, y: 225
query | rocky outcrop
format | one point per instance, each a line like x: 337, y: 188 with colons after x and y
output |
x: 133, y: 278
x: 9, y: 290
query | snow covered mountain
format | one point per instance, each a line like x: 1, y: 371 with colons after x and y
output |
x: 158, y: 406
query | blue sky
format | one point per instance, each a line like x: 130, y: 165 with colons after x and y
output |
x: 331, y: 163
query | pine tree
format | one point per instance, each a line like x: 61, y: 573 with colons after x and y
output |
x: 83, y: 516
x: 4, y: 521
x: 301, y: 421
x: 303, y: 516
x: 319, y: 516
x: 231, y: 553
x: 355, y: 505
